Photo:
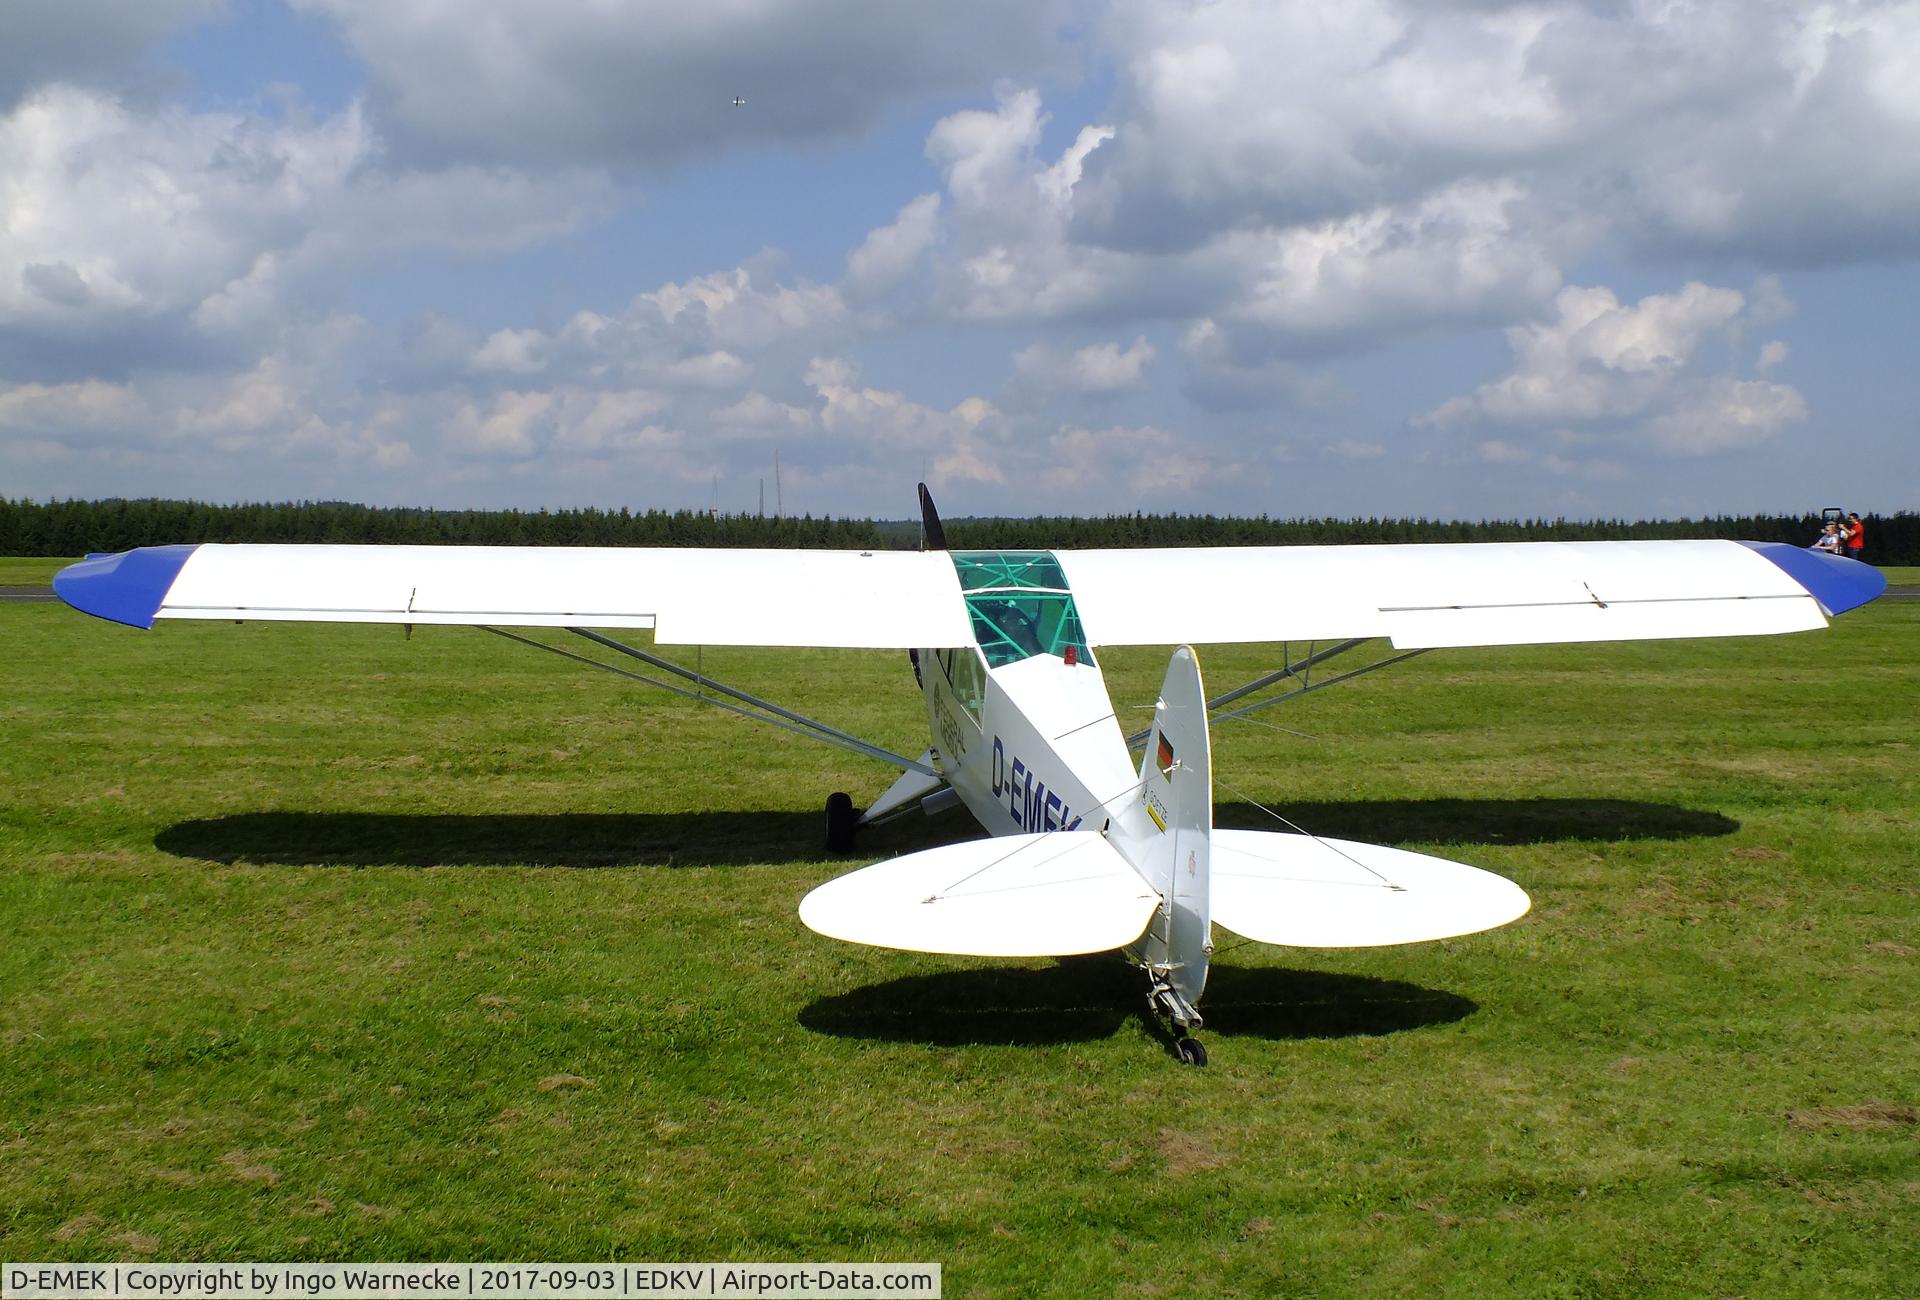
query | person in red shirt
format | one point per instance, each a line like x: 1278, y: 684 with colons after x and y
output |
x: 1856, y: 537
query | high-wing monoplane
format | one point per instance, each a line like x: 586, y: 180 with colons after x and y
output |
x: 1089, y: 850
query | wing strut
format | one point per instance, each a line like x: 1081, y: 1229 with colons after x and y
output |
x: 1219, y: 702
x: 1302, y: 669
x: 1314, y: 686
x: 750, y: 706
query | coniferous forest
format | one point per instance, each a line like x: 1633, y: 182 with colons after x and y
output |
x: 80, y: 527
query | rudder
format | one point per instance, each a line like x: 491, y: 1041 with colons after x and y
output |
x: 1176, y: 785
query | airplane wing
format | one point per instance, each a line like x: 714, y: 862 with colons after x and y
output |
x: 1416, y: 595
x: 688, y: 596
x: 1497, y: 593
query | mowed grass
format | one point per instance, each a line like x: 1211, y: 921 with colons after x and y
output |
x: 325, y: 943
x: 31, y: 570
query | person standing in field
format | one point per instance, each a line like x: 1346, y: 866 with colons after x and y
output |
x: 1856, y: 537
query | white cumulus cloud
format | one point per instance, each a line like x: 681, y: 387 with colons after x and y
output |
x: 1604, y: 366
x: 652, y: 86
x: 1770, y: 127
x: 1098, y: 368
x: 890, y: 252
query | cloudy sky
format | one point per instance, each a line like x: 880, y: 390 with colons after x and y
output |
x: 1640, y: 257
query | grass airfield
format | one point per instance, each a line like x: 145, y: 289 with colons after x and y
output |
x: 323, y: 943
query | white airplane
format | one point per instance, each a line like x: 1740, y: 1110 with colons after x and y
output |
x: 1088, y: 850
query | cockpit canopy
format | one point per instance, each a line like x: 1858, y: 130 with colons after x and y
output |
x: 1020, y: 605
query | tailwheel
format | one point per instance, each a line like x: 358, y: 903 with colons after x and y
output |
x: 840, y: 822
x: 1163, y: 1000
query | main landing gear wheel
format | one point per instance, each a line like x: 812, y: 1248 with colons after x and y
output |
x: 840, y: 822
x: 1191, y: 1051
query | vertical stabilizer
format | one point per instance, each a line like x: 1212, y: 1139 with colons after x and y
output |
x: 1176, y: 784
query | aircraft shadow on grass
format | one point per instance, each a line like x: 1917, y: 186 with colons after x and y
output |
x: 1484, y: 821
x: 715, y: 839
x: 1088, y: 998
x: 578, y: 840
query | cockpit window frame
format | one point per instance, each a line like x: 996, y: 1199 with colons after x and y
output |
x: 1020, y: 606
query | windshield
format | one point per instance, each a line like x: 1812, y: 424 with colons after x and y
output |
x: 1020, y: 605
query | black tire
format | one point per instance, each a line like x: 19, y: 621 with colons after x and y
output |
x: 1191, y: 1051
x: 840, y: 822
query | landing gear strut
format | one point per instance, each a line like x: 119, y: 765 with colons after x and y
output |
x: 840, y: 822
x: 1164, y: 1000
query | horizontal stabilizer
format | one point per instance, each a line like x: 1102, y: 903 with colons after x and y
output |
x: 1304, y: 892
x: 1046, y: 895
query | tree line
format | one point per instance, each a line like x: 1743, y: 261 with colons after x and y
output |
x: 1892, y: 539
x: 80, y: 527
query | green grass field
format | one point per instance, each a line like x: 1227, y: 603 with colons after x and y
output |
x: 18, y: 570
x: 324, y: 943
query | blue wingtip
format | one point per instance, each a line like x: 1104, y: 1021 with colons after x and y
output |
x: 126, y: 588
x: 1838, y: 584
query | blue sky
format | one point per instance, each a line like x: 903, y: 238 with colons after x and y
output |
x: 1347, y: 257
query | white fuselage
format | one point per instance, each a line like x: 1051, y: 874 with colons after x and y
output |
x: 1031, y: 746
x: 1035, y: 745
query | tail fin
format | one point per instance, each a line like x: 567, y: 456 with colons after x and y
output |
x: 1176, y: 784
x: 932, y: 536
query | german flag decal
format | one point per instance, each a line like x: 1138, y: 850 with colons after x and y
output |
x: 1166, y: 756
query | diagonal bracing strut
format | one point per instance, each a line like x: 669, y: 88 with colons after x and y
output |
x: 1301, y: 669
x: 1315, y: 686
x: 749, y: 706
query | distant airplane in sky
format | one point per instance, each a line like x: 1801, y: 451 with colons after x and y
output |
x: 738, y: 102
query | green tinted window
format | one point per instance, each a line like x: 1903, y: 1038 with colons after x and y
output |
x: 1020, y: 605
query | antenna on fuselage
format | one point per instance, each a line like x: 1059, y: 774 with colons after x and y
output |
x: 932, y: 536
